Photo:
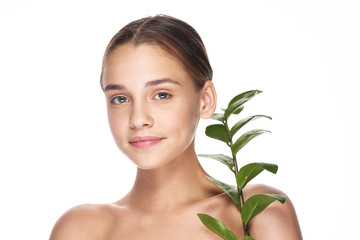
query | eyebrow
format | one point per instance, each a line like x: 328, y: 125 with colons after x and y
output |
x: 161, y: 81
x: 114, y: 87
x: 148, y: 84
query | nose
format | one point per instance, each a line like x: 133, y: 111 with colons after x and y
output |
x: 140, y: 116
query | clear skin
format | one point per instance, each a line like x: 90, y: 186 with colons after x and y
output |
x: 153, y: 111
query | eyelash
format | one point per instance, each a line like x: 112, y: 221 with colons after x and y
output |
x: 122, y: 99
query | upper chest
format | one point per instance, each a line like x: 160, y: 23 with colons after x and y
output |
x: 181, y: 224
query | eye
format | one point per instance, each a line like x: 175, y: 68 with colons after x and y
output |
x: 119, y: 100
x: 162, y: 96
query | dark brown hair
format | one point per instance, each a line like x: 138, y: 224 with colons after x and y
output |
x: 172, y: 35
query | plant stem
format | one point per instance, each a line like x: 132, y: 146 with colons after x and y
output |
x: 240, y: 193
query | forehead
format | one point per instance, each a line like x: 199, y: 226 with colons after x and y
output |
x: 142, y: 63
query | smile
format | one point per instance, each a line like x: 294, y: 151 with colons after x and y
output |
x: 144, y: 142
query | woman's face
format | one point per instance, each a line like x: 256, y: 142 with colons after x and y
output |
x: 153, y: 107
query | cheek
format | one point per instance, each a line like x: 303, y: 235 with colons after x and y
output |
x: 184, y: 119
x: 116, y: 124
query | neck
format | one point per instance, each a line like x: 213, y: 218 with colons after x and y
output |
x: 171, y: 186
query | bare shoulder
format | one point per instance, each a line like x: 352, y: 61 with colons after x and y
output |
x: 253, y: 189
x: 87, y: 221
x: 277, y: 221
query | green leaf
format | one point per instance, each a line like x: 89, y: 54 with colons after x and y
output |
x: 245, y: 139
x: 218, y: 116
x: 248, y: 94
x: 238, y: 101
x: 228, y: 161
x: 217, y: 227
x: 249, y: 171
x: 248, y: 238
x: 232, y: 192
x: 256, y: 204
x: 237, y: 111
x: 217, y: 131
x: 244, y: 121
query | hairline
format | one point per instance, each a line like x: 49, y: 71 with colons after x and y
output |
x: 135, y: 44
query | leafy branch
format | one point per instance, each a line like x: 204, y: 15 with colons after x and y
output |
x: 222, y: 132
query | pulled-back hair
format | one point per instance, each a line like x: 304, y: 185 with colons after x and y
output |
x: 173, y: 36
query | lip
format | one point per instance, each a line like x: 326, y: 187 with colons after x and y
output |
x: 144, y: 141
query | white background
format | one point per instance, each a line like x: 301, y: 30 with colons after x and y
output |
x: 56, y: 150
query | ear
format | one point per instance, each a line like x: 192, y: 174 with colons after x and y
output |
x: 208, y: 100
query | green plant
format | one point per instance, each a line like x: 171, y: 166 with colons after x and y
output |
x: 256, y: 203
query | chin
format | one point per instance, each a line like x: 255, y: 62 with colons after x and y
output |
x: 149, y: 165
x: 148, y: 162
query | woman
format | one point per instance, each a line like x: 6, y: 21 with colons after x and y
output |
x: 156, y: 77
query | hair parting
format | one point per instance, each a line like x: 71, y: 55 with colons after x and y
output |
x: 173, y: 36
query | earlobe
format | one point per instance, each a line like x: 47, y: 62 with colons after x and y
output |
x: 208, y: 100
